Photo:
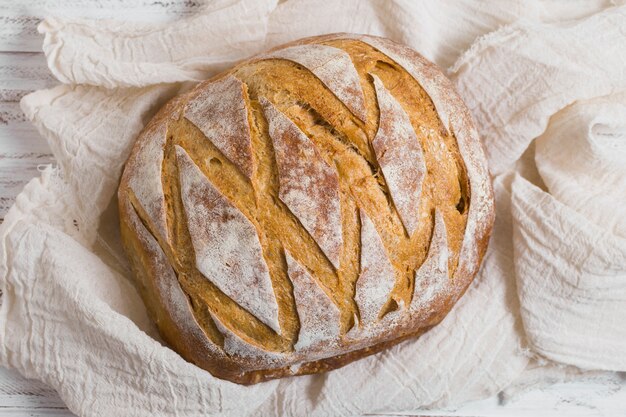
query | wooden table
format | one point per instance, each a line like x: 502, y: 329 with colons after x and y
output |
x: 23, y: 69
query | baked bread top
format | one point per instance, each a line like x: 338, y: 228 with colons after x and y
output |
x: 312, y: 205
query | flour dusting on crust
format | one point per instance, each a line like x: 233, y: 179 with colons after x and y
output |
x: 319, y: 317
x: 308, y: 186
x: 377, y: 276
x: 228, y: 251
x: 168, y: 289
x: 334, y: 68
x: 235, y: 346
x: 219, y: 111
x: 432, y: 277
x: 400, y: 156
x: 425, y: 73
x: 457, y: 120
x: 146, y: 179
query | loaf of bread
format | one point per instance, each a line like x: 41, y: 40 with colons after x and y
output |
x: 313, y: 205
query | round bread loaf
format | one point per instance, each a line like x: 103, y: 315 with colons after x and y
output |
x: 311, y: 206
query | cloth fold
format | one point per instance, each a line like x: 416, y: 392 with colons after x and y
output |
x: 531, y: 70
x: 571, y: 276
x: 545, y: 94
x: 116, y: 54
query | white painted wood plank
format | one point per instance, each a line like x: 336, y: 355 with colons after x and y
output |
x: 19, y: 412
x: 581, y: 398
x: 21, y: 73
x: 17, y: 134
x: 18, y: 32
x: 22, y: 150
x: 34, y: 412
x: 19, y: 393
x: 19, y: 18
x: 15, y: 172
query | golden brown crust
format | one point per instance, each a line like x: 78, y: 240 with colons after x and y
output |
x: 286, y: 156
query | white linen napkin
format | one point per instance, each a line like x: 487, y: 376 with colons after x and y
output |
x: 565, y: 83
x: 71, y: 317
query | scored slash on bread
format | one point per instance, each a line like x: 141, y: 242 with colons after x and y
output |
x: 313, y: 205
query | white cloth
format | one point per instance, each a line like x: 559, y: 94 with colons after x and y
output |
x: 561, y: 82
x: 70, y: 317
